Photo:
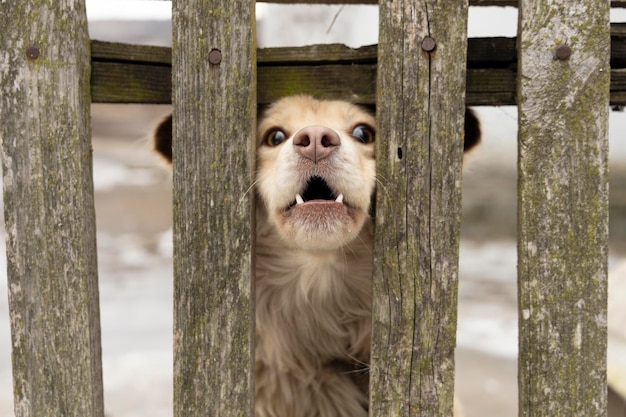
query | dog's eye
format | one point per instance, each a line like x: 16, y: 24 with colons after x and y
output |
x: 364, y: 134
x: 275, y: 137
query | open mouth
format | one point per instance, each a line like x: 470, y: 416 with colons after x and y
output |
x: 317, y: 190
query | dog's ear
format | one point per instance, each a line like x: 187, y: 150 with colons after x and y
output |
x: 472, y: 130
x: 163, y: 139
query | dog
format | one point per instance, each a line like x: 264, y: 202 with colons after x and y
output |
x: 315, y: 182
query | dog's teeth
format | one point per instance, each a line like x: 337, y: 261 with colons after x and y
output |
x: 339, y: 199
x: 299, y: 199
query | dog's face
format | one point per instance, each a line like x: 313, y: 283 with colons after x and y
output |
x: 316, y: 170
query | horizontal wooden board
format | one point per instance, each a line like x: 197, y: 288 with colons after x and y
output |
x: 123, y: 73
x: 121, y: 82
x: 333, y: 53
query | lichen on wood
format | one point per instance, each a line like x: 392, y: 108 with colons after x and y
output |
x: 420, y: 105
x: 49, y: 209
x: 563, y: 206
x: 123, y: 73
x: 214, y: 130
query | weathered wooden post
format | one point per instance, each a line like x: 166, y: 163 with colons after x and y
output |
x: 214, y: 97
x: 563, y: 206
x: 420, y: 102
x: 48, y: 206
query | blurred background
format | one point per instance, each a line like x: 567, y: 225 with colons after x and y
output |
x: 133, y: 209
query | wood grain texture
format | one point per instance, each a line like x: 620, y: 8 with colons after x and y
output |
x: 419, y: 150
x: 48, y: 209
x: 214, y: 130
x: 123, y: 73
x: 563, y: 208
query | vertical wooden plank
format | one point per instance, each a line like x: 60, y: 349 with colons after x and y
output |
x: 563, y: 193
x: 420, y: 102
x: 214, y: 77
x: 48, y: 207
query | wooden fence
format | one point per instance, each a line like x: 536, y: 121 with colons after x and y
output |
x: 557, y: 72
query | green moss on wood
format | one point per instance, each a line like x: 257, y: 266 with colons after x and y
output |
x: 213, y: 347
x: 417, y: 230
x: 52, y: 272
x: 563, y: 208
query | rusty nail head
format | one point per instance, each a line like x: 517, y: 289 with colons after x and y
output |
x: 563, y: 52
x: 32, y: 52
x: 215, y: 56
x: 429, y: 44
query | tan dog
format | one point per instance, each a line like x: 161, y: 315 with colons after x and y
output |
x: 315, y: 181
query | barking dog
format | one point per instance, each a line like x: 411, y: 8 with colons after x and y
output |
x: 315, y: 181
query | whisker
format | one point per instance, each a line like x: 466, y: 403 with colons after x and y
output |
x: 382, y: 185
x: 357, y: 361
x: 258, y: 178
x: 355, y: 371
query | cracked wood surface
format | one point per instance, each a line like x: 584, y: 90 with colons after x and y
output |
x: 214, y: 119
x: 563, y: 207
x: 49, y: 209
x: 421, y: 101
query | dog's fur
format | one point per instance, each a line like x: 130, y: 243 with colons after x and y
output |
x: 313, y: 259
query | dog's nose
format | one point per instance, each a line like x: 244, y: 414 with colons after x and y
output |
x: 316, y: 142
